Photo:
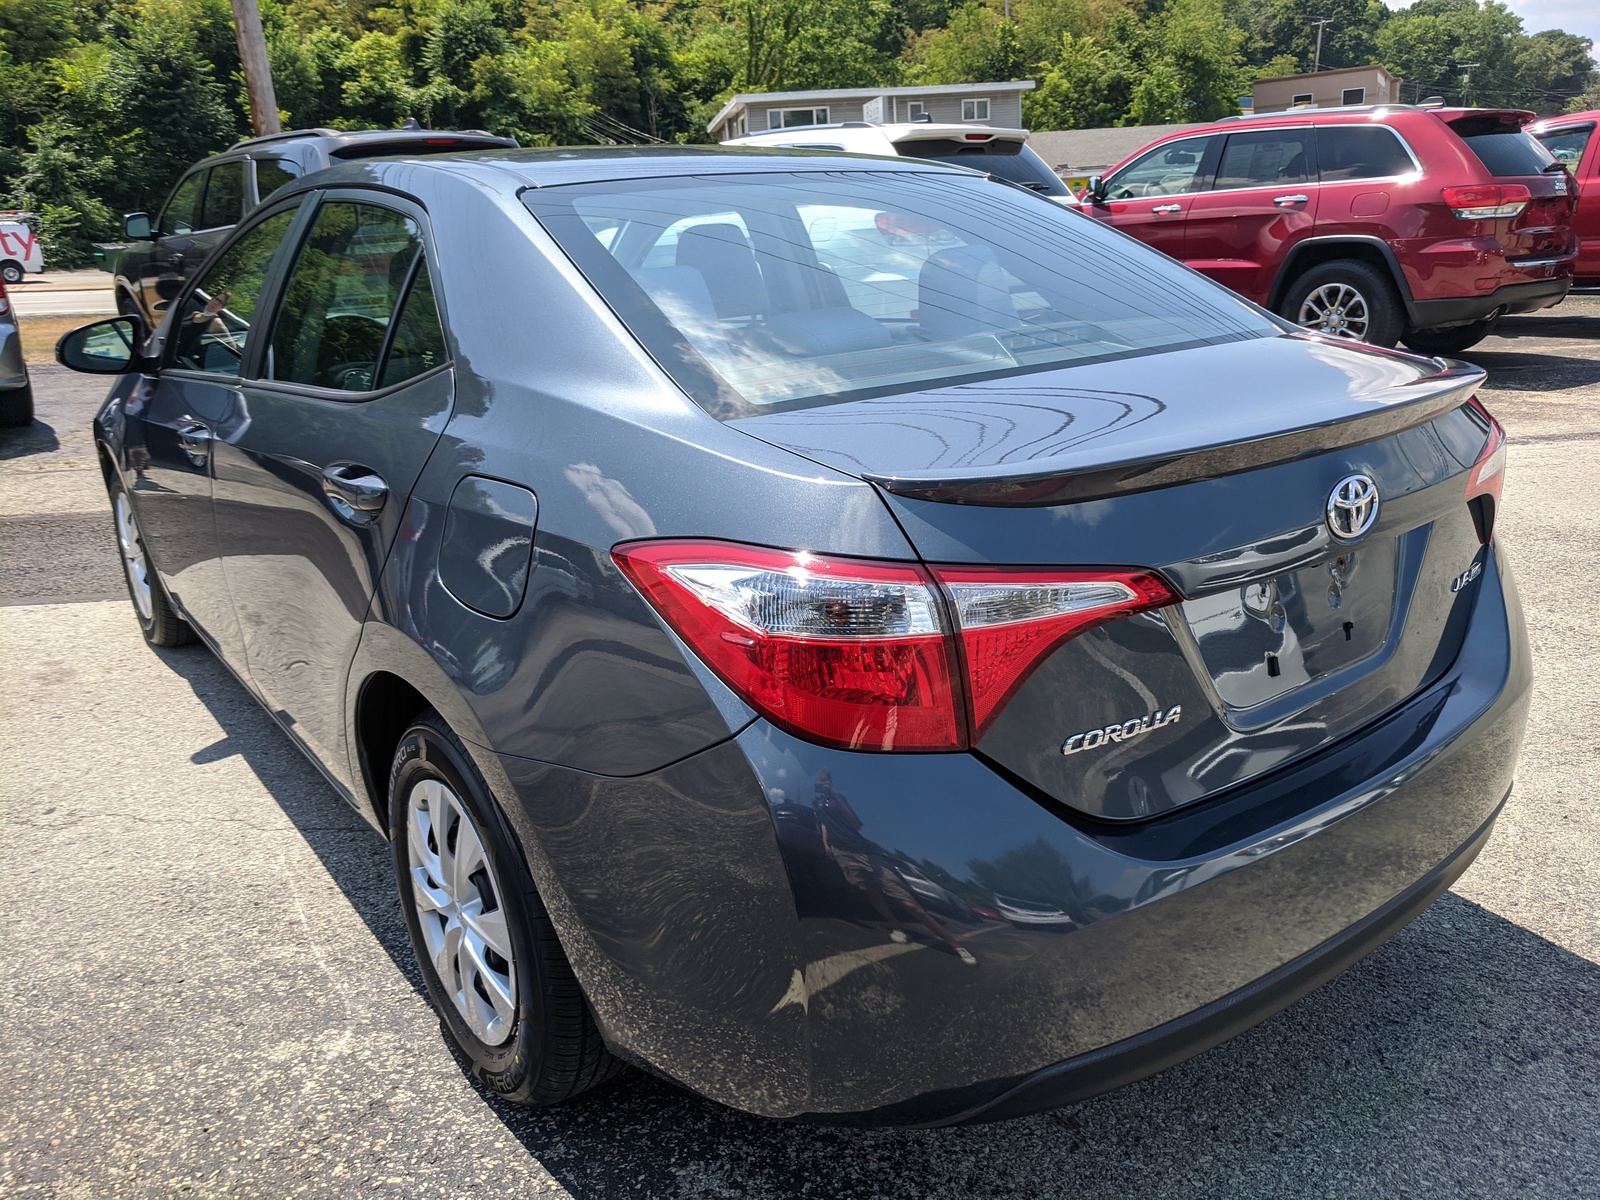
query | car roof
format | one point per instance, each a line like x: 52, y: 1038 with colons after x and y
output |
x: 560, y: 166
x: 1566, y: 120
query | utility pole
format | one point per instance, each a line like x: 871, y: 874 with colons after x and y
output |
x: 1319, y: 23
x: 257, y: 70
x: 1466, y: 83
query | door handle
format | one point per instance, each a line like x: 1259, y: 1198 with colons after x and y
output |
x: 1166, y: 208
x: 195, y: 439
x: 1285, y: 200
x: 356, y: 493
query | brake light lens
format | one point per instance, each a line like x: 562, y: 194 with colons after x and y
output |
x: 863, y: 654
x: 1487, y: 201
x: 1488, y: 473
x: 5, y: 305
x: 1010, y: 621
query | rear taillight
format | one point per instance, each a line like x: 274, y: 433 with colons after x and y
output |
x: 1488, y: 474
x: 1487, y: 201
x: 864, y: 655
x: 1011, y: 620
x: 5, y: 305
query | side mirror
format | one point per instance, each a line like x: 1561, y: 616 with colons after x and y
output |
x: 1097, y: 187
x: 109, y: 347
x: 136, y: 227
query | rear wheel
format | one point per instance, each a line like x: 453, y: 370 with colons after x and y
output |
x: 11, y: 271
x: 16, y: 407
x: 1347, y: 299
x: 158, y: 620
x: 491, y: 961
x: 1450, y: 341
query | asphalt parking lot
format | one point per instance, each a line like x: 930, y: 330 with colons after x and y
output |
x: 209, y: 991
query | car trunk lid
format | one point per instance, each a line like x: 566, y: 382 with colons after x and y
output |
x: 1286, y: 636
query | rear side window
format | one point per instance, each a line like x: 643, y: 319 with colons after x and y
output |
x: 1011, y: 161
x: 224, y: 196
x: 1165, y: 171
x: 217, y: 316
x: 1505, y: 154
x: 334, y: 320
x: 183, y: 211
x: 1360, y: 152
x: 1266, y: 157
x: 272, y: 174
x: 1567, y: 145
x: 418, y: 343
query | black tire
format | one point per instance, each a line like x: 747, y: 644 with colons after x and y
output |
x: 158, y: 620
x: 16, y: 407
x: 552, y: 1051
x: 1452, y: 340
x: 11, y: 271
x: 1384, y: 317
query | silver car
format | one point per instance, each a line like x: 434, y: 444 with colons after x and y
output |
x: 16, y: 393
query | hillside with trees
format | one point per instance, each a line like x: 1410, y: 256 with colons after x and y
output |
x: 104, y: 103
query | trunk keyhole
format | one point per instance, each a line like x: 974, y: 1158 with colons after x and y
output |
x: 1349, y: 630
x: 1272, y: 666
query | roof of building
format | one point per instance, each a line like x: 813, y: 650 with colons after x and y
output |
x: 941, y: 89
x: 1331, y: 71
x: 1092, y: 149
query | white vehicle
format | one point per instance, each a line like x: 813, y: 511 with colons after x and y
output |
x: 19, y: 251
x: 1002, y: 153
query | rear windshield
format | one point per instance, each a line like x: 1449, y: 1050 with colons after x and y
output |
x: 1509, y: 153
x: 787, y: 289
x: 1011, y: 161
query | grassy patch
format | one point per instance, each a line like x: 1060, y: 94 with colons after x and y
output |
x: 39, y: 336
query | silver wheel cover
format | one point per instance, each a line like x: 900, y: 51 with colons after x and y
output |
x: 134, y: 561
x: 457, y: 899
x: 1336, y: 309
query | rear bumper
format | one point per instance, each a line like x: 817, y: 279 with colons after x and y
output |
x: 723, y: 944
x: 1513, y: 298
x: 13, y: 368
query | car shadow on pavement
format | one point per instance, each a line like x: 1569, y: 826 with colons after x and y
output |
x: 1585, y: 326
x: 1457, y: 1059
x: 37, y: 438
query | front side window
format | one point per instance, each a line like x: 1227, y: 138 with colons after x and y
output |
x: 789, y: 290
x: 1165, y: 171
x: 1360, y: 152
x: 224, y: 196
x: 1566, y: 146
x: 182, y: 213
x: 974, y: 110
x: 333, y: 321
x: 216, y: 319
x: 272, y: 174
x: 794, y: 118
x: 1265, y: 158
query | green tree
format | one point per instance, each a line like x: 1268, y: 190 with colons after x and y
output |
x: 61, y: 182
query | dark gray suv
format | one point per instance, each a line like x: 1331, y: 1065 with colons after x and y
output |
x: 209, y: 200
x: 852, y: 636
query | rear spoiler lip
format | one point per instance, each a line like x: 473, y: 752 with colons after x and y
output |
x: 1446, y: 388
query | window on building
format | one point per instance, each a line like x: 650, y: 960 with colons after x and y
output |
x: 1302, y: 99
x: 793, y: 118
x: 974, y: 110
x: 1354, y: 96
x: 915, y: 110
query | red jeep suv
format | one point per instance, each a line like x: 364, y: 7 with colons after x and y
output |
x: 1375, y: 223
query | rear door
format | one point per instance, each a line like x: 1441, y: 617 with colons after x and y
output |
x: 345, y: 403
x: 1150, y: 198
x: 1263, y: 199
x: 1576, y: 148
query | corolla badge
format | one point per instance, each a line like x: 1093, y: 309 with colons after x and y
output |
x: 1352, y: 507
x: 1121, y: 732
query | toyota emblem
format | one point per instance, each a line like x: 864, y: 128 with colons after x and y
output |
x: 1352, y: 507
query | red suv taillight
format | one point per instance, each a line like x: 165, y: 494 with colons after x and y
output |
x: 5, y: 305
x: 873, y: 655
x: 1487, y: 201
x: 1488, y: 473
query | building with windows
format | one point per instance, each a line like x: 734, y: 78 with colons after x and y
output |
x: 997, y: 104
x: 1326, y: 89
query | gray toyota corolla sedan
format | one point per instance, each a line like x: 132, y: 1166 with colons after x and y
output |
x: 848, y: 635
